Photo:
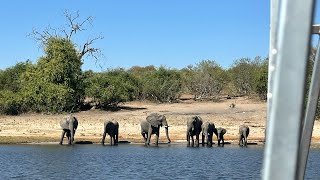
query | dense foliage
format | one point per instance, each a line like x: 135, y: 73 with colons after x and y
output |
x: 56, y: 83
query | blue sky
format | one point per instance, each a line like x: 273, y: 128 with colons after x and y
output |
x: 173, y: 33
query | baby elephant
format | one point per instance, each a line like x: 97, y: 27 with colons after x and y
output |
x: 207, y: 132
x: 243, y: 135
x: 69, y: 126
x: 112, y: 128
x: 219, y: 132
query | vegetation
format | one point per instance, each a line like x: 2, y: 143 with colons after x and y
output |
x: 56, y: 82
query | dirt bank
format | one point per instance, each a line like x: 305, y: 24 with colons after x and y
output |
x: 38, y: 128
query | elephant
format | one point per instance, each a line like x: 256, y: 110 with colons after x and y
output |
x: 69, y: 126
x: 207, y: 132
x: 243, y: 135
x: 219, y: 132
x: 194, y: 128
x: 151, y: 125
x: 112, y: 128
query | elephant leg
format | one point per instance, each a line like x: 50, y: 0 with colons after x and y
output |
x: 188, y: 138
x: 192, y: 141
x: 197, y: 139
x: 71, y: 139
x: 222, y: 141
x: 240, y: 140
x: 206, y: 139
x: 145, y: 136
x: 111, y: 140
x: 149, y: 134
x: 245, y: 141
x: 244, y: 135
x: 210, y: 140
x: 203, y: 139
x: 157, y: 137
x: 116, y: 138
x: 62, y: 136
x: 103, y: 138
x: 68, y: 135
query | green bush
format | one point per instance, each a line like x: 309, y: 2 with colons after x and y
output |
x: 12, y: 103
x: 110, y: 88
x: 48, y: 97
x: 162, y: 85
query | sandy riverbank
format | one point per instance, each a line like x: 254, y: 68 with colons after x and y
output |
x: 38, y: 128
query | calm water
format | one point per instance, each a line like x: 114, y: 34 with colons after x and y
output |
x: 128, y: 161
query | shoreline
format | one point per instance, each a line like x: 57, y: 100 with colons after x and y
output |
x: 40, y: 128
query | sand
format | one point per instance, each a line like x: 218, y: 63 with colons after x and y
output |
x: 40, y: 128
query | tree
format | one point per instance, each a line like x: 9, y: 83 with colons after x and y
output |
x: 242, y: 74
x: 163, y: 85
x: 206, y: 80
x: 74, y: 25
x: 261, y: 80
x: 139, y: 73
x: 111, y: 87
x: 55, y: 83
x: 10, y: 77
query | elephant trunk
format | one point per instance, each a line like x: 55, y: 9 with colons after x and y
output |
x: 167, y: 133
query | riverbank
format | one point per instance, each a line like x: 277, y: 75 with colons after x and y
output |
x: 39, y: 128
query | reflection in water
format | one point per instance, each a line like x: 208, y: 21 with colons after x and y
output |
x: 135, y: 162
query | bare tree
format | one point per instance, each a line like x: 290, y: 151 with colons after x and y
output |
x: 74, y: 25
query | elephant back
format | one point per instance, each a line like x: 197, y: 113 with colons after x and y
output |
x: 244, y: 128
x: 116, y: 124
x: 221, y: 130
x: 208, y: 125
x: 67, y: 120
x: 155, y: 119
x: 111, y: 125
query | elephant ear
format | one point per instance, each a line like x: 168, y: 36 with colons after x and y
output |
x: 154, y: 119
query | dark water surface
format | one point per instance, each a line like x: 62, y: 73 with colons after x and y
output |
x: 128, y: 161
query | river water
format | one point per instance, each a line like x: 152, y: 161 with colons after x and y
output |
x: 135, y: 161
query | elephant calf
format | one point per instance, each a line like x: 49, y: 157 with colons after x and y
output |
x: 219, y: 132
x: 112, y: 128
x: 243, y: 135
x: 194, y: 128
x: 69, y: 126
x: 207, y: 132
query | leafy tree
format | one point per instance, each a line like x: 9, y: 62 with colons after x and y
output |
x: 163, y: 85
x: 12, y: 103
x: 111, y: 87
x: 261, y: 80
x: 206, y: 80
x: 10, y: 77
x: 243, y: 73
x: 139, y: 73
x: 55, y: 83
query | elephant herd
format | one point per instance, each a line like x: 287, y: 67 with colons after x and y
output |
x: 151, y: 125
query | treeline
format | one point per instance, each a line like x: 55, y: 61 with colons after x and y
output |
x: 56, y: 83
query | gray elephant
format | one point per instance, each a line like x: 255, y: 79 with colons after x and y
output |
x: 152, y: 125
x: 194, y: 129
x: 243, y: 135
x: 219, y: 132
x: 69, y: 126
x: 112, y: 128
x: 207, y: 132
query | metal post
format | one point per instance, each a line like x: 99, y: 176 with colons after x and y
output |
x: 310, y: 112
x: 292, y: 48
x: 274, y: 11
